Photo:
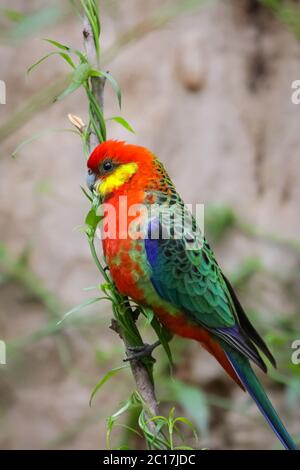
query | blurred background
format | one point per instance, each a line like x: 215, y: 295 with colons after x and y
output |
x: 207, y: 86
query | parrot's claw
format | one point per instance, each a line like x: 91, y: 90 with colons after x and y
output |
x: 138, y: 352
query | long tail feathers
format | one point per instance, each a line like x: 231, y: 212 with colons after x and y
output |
x: 248, y: 378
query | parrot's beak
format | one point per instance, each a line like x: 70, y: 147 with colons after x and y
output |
x: 91, y: 179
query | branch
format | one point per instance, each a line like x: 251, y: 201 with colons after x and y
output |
x: 143, y: 382
x: 140, y: 373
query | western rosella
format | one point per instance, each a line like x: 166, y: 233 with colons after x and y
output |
x: 178, y: 277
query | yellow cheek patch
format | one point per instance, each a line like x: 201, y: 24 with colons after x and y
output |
x: 114, y: 181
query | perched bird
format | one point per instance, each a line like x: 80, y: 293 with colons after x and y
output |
x: 171, y: 270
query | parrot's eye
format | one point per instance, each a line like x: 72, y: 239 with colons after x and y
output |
x: 107, y: 165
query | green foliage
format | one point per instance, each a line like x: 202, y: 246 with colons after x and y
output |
x: 45, y: 97
x: 159, y: 439
x: 91, y: 11
x: 123, y: 123
x: 287, y: 12
x: 159, y: 432
x: 37, y: 136
x: 164, y: 337
x: 114, y: 84
x: 78, y: 308
x: 104, y: 379
x: 82, y: 75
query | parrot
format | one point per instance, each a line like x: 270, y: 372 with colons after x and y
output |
x: 172, y: 271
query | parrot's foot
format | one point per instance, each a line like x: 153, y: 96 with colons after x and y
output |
x: 138, y: 352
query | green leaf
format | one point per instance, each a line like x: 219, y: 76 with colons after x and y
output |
x: 86, y: 289
x: 92, y: 219
x: 88, y: 194
x: 82, y: 73
x: 112, y: 419
x: 131, y: 429
x: 82, y: 57
x: 113, y: 82
x: 37, y: 136
x: 96, y: 111
x: 91, y: 12
x: 115, y: 86
x: 149, y: 314
x: 125, y: 406
x: 40, y: 61
x: 57, y: 44
x: 65, y: 56
x: 164, y: 337
x: 123, y: 123
x: 70, y: 89
x: 97, y: 128
x: 67, y: 59
x: 81, y: 306
x: 156, y: 439
x: 104, y: 379
x: 79, y: 77
x: 188, y: 423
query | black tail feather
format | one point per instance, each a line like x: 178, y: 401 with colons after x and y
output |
x: 247, y: 326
